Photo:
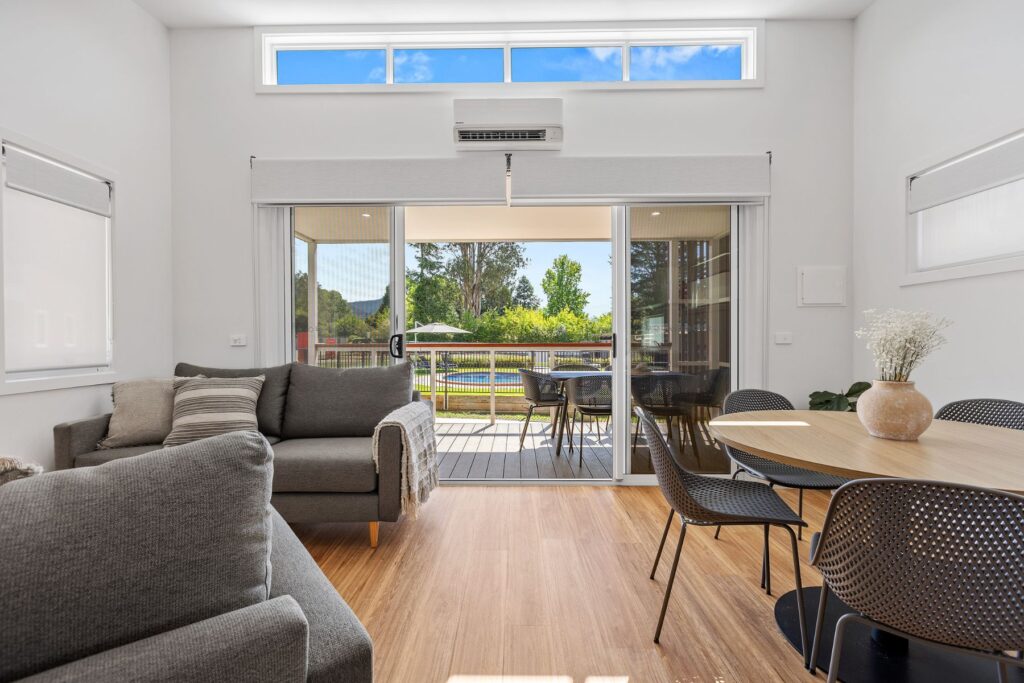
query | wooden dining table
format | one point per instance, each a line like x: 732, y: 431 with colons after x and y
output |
x: 837, y: 443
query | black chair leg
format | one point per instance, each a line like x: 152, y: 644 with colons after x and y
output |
x: 799, y: 596
x: 581, y: 441
x: 664, y: 536
x: 766, y: 583
x: 819, y: 622
x: 526, y: 427
x: 668, y: 586
x: 800, y: 514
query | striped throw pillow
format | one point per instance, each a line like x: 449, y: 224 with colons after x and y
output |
x: 208, y: 406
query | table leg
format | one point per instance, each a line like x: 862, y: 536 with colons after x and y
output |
x: 561, y: 429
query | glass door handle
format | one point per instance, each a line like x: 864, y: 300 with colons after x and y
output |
x: 395, y: 346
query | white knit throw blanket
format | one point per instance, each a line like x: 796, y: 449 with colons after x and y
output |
x: 419, y: 452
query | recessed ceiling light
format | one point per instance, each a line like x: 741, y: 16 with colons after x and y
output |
x: 366, y: 215
x: 655, y: 213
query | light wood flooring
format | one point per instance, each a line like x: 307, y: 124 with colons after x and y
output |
x: 504, y: 583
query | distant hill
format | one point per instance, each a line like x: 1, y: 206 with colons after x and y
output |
x: 364, y: 309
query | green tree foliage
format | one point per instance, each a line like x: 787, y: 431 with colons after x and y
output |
x: 649, y: 264
x: 524, y: 295
x: 483, y: 272
x: 561, y: 284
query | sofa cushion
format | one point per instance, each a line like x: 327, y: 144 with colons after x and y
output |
x: 211, y: 406
x: 270, y: 407
x: 142, y: 413
x: 335, y: 465
x: 323, y: 402
x: 97, y: 557
x: 339, y: 647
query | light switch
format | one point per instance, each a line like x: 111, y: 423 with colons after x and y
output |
x: 821, y: 286
x: 783, y: 338
x: 238, y: 340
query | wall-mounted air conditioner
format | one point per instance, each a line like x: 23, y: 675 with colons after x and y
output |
x: 508, y: 124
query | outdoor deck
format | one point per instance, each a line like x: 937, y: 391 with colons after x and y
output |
x: 469, y: 449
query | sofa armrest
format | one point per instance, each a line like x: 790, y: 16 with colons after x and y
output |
x: 71, y: 439
x: 263, y: 642
x: 389, y: 474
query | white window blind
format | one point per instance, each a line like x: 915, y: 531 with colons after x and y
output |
x: 56, y: 265
x: 968, y: 211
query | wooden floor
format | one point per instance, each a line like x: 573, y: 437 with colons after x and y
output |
x: 510, y: 583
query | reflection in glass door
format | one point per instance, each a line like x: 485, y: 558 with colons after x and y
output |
x: 341, y: 313
x: 680, y: 327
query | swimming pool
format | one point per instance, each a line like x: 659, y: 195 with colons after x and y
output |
x: 482, y: 378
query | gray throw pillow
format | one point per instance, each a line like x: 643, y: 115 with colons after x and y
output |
x: 270, y: 407
x: 142, y: 413
x: 210, y: 406
x: 324, y: 402
x: 97, y: 557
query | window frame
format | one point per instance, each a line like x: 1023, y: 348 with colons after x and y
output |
x: 61, y: 378
x: 749, y: 35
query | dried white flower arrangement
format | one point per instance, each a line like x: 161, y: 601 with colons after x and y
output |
x: 900, y: 340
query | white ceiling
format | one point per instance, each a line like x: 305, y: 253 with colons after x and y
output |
x: 211, y: 13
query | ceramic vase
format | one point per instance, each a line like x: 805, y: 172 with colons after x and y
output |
x: 894, y: 410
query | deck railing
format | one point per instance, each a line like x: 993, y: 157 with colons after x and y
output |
x: 481, y: 377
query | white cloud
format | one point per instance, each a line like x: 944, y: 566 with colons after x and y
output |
x: 603, y: 54
x: 413, y: 68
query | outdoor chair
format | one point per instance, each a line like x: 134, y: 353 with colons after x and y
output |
x: 540, y: 391
x: 776, y: 473
x: 669, y: 396
x: 994, y: 412
x: 714, y: 389
x: 928, y: 561
x: 709, y: 501
x: 588, y: 396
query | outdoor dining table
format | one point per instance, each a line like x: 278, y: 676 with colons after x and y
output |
x: 835, y: 442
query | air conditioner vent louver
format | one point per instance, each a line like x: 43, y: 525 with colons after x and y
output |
x: 503, y: 135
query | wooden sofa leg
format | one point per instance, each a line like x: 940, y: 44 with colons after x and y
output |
x: 374, y: 531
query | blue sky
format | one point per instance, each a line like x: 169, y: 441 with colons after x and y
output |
x: 529, y: 64
x: 360, y: 271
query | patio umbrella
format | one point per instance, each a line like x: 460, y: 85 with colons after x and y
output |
x: 439, y: 328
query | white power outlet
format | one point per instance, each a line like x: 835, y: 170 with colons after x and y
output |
x: 238, y: 340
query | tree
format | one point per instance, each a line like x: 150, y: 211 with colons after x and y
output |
x: 561, y: 284
x: 483, y: 271
x: 433, y: 299
x: 524, y: 295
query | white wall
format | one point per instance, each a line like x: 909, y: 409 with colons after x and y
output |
x: 803, y: 115
x: 92, y: 79
x: 933, y: 79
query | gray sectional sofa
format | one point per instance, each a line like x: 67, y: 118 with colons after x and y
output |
x: 171, y: 566
x: 320, y: 424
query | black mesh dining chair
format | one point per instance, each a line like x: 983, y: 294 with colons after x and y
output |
x: 775, y: 473
x: 669, y: 396
x: 590, y: 395
x: 540, y: 391
x: 994, y: 412
x: 929, y: 561
x: 708, y: 501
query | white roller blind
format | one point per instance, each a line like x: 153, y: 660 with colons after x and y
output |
x: 992, y: 166
x: 541, y: 177
x: 475, y: 178
x: 55, y: 285
x: 32, y: 173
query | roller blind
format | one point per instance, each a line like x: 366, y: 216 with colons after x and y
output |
x: 637, y: 179
x: 536, y: 176
x: 34, y: 174
x: 992, y: 166
x: 476, y: 178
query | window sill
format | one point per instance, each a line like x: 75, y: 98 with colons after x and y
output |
x: 991, y: 267
x: 12, y: 386
x: 494, y: 89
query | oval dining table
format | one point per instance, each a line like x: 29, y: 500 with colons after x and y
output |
x: 837, y: 443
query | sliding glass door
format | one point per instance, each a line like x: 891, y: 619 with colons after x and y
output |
x: 341, y: 285
x: 681, y: 266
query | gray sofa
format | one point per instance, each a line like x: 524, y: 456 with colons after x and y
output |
x: 171, y: 566
x: 320, y: 424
